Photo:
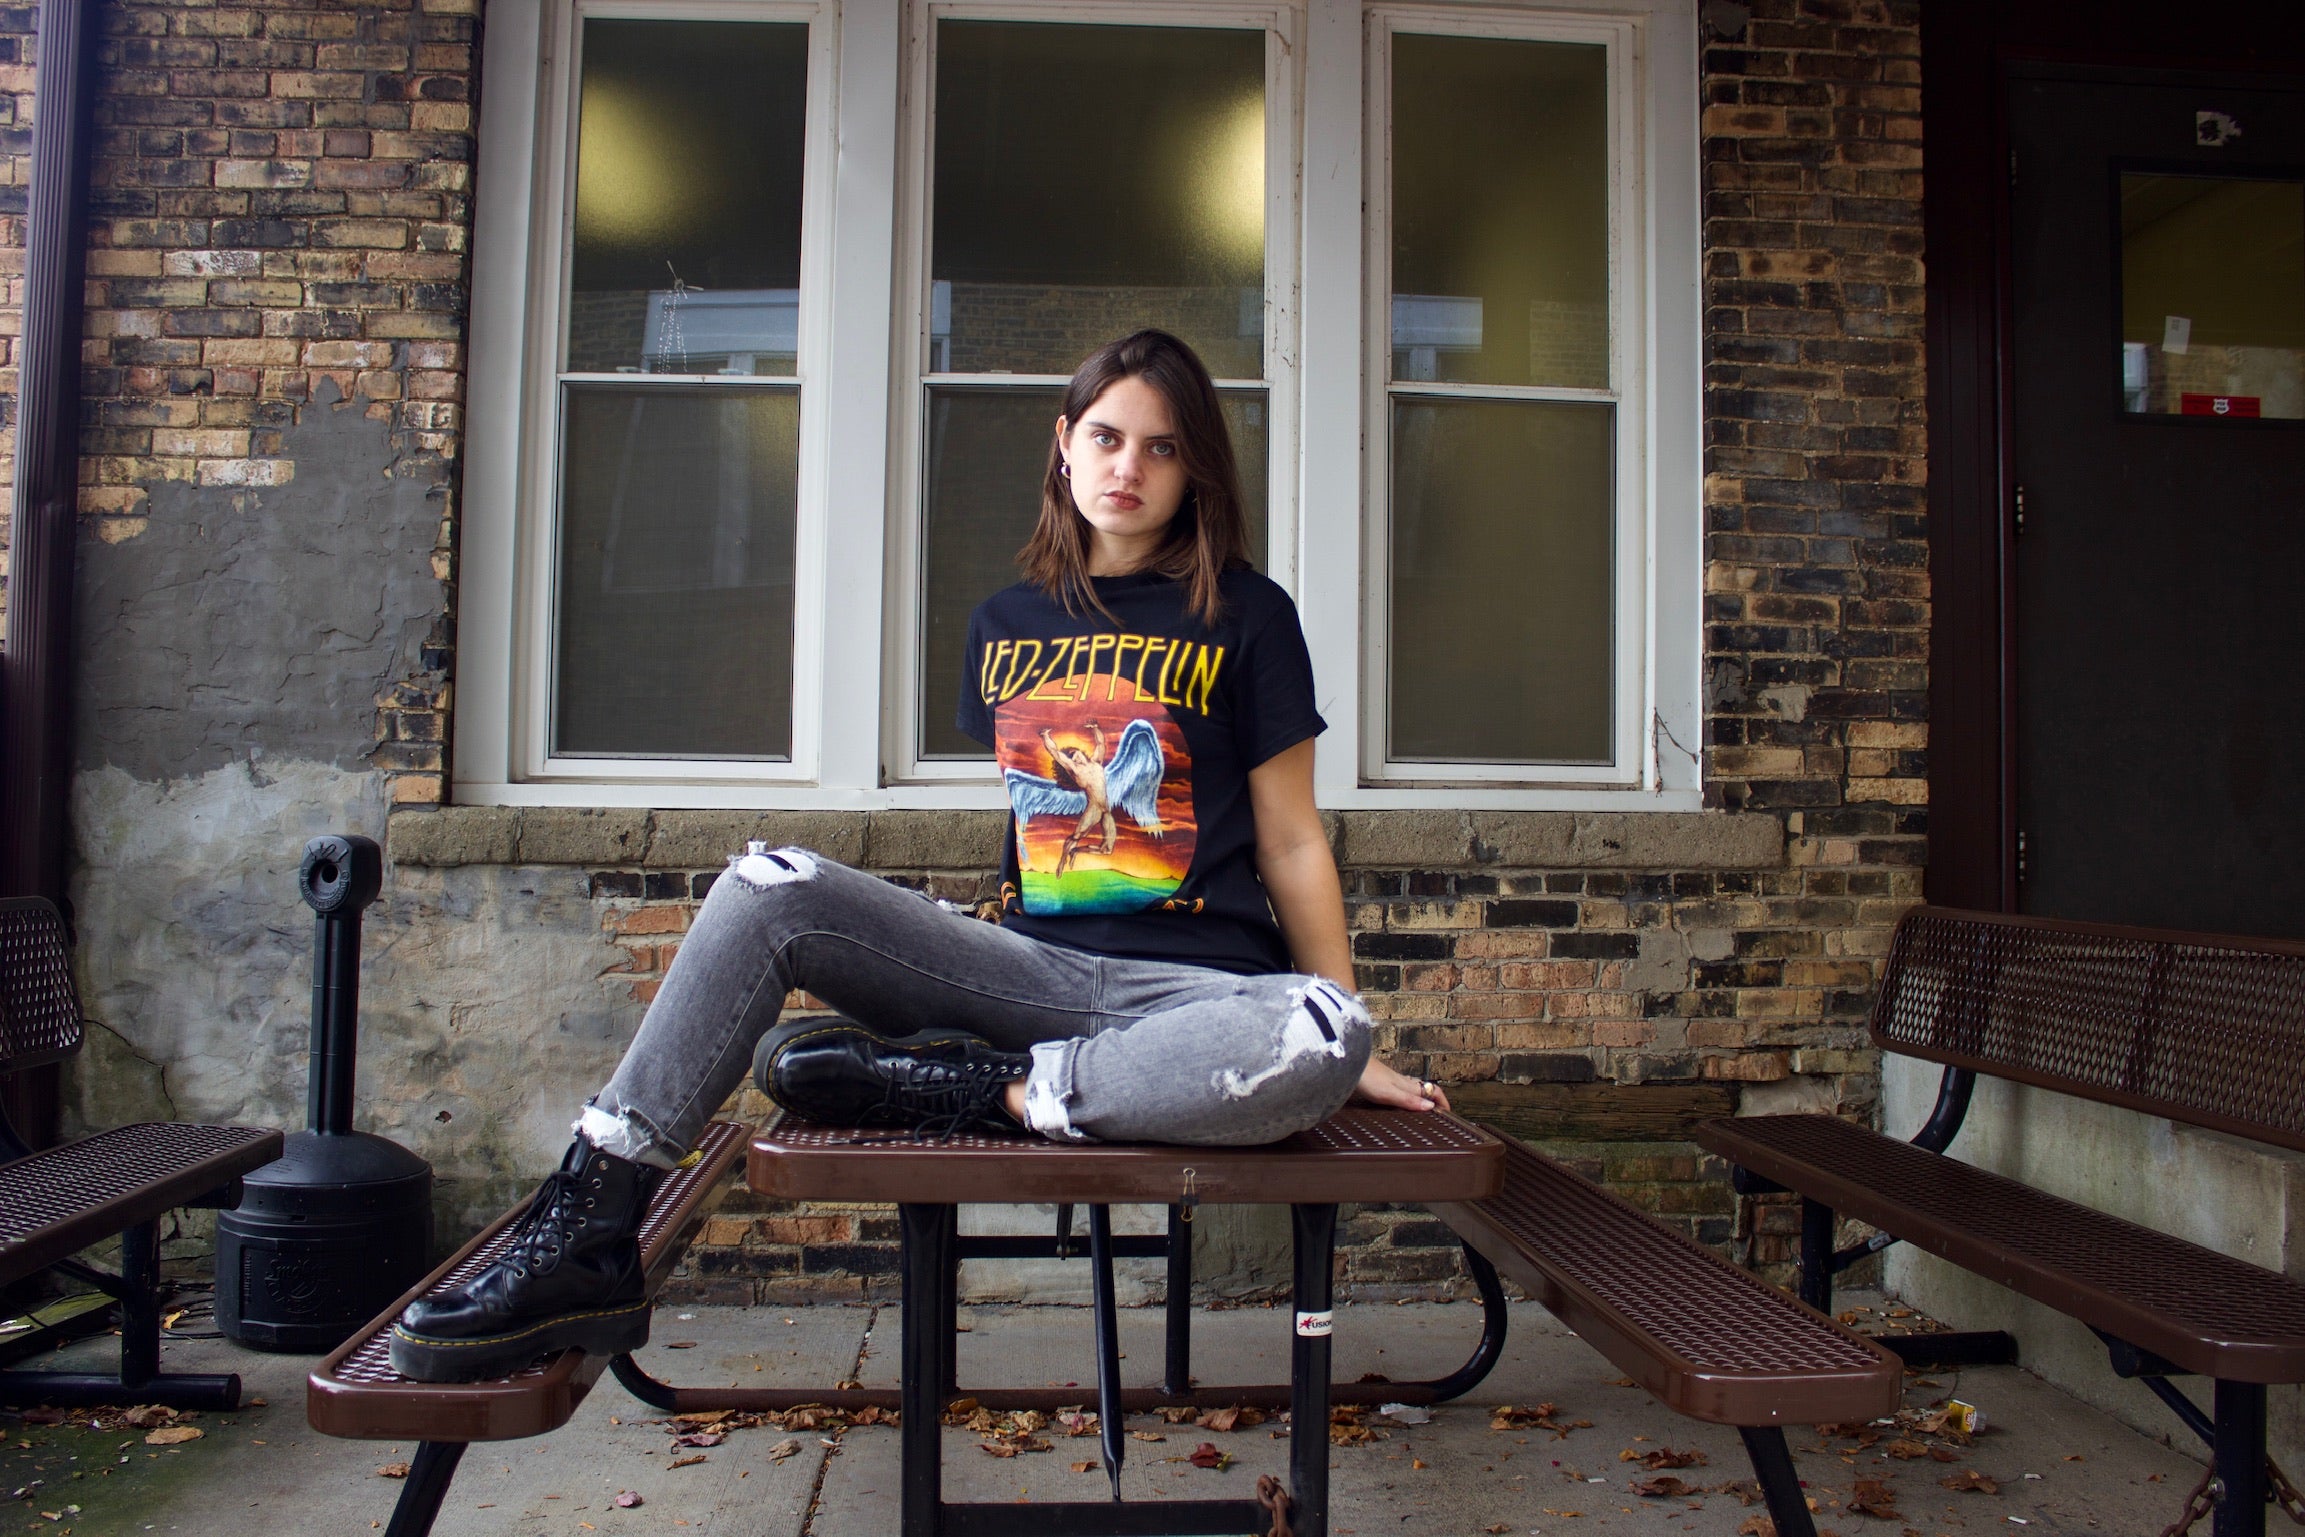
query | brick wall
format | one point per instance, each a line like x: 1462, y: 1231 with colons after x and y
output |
x: 280, y: 209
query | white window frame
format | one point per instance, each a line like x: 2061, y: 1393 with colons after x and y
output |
x: 914, y: 380
x: 864, y: 281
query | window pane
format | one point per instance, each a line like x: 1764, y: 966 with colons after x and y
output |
x: 2213, y: 296
x: 1500, y: 260
x: 688, y: 184
x: 676, y: 548
x: 1092, y: 180
x: 986, y: 452
x: 1502, y: 581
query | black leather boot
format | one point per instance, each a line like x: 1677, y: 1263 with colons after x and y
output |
x: 837, y: 1073
x: 571, y: 1278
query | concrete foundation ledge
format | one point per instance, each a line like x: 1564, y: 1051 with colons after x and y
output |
x: 1561, y: 840
x: 970, y: 840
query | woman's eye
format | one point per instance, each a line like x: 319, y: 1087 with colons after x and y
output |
x: 1104, y: 440
x: 1165, y: 450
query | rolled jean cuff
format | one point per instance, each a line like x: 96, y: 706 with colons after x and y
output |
x: 1048, y: 1092
x: 627, y: 1136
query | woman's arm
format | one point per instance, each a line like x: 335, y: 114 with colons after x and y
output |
x: 1300, y: 877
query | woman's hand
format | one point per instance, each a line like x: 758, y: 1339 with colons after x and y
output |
x: 1381, y: 1085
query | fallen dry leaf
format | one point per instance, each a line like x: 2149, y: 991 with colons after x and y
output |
x: 627, y: 1500
x: 688, y: 1462
x: 1757, y: 1526
x: 1178, y: 1414
x: 1219, y: 1419
x: 1077, y: 1423
x: 1667, y: 1486
x: 1419, y: 1462
x: 1906, y: 1449
x: 393, y: 1470
x: 173, y: 1435
x: 699, y: 1438
x: 1664, y: 1457
x: 142, y: 1416
x: 1147, y: 1435
x: 1206, y: 1455
x: 1538, y: 1417
x: 1876, y: 1499
x: 788, y: 1447
x: 1970, y: 1481
x: 1496, y: 1526
x: 681, y: 1345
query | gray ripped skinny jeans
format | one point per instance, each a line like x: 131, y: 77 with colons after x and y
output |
x: 1122, y: 1049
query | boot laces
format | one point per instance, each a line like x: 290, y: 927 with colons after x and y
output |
x: 541, y: 1235
x: 947, y: 1098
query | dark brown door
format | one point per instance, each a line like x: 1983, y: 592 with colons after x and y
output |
x: 2157, y: 426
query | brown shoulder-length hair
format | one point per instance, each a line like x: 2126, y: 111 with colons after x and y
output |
x: 1208, y: 536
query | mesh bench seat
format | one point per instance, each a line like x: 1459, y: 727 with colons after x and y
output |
x: 1708, y: 1339
x: 2199, y: 1028
x: 58, y: 1201
x: 355, y: 1393
x: 55, y: 1203
x: 1703, y: 1336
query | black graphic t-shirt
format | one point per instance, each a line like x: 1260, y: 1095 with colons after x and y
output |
x: 1126, y: 749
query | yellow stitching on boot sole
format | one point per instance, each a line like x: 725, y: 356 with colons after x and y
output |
x: 400, y: 1332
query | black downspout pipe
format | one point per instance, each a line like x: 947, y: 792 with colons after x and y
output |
x: 36, y: 671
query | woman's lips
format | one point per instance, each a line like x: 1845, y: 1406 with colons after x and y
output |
x: 1124, y: 501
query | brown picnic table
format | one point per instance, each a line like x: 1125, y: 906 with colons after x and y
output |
x: 1358, y: 1155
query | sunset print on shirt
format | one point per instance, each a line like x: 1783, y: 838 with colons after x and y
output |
x: 1101, y: 792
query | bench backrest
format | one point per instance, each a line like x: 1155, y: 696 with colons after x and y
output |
x: 2200, y: 1028
x: 39, y: 1009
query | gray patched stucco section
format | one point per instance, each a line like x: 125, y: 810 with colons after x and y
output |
x: 259, y: 622
x: 485, y: 1017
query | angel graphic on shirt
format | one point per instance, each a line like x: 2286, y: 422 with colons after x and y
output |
x: 1087, y: 785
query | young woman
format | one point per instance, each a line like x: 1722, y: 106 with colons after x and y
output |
x: 1171, y: 964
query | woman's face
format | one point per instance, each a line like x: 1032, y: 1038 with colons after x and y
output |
x: 1128, y: 478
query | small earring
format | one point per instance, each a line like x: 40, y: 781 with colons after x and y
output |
x: 1064, y: 469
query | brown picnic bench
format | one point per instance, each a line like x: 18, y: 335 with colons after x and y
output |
x: 1702, y: 1335
x: 2204, y: 1029
x: 58, y: 1201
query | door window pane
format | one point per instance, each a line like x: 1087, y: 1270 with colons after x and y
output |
x: 2212, y: 296
x: 1500, y: 258
x: 686, y: 256
x: 1093, y: 180
x: 676, y: 556
x: 986, y: 452
x: 1502, y: 581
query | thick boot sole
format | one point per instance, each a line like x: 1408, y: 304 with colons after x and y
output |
x: 602, y: 1331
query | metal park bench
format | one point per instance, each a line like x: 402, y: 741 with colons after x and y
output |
x: 55, y: 1203
x: 2198, y: 1028
x: 355, y: 1393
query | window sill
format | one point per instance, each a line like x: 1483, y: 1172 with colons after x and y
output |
x: 961, y: 838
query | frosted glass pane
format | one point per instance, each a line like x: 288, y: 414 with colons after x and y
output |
x: 987, y: 450
x: 676, y: 545
x: 1500, y: 210
x: 1092, y: 180
x: 2213, y: 296
x: 688, y: 195
x: 1503, y: 589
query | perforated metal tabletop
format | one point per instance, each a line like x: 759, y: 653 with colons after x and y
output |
x: 1358, y: 1154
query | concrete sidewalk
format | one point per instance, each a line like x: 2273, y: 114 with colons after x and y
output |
x: 2057, y: 1466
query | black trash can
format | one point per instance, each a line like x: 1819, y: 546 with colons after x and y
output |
x: 326, y: 1237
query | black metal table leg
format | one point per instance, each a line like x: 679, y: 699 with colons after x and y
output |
x: 948, y: 1309
x: 2240, y: 1460
x: 1109, y: 1426
x: 1816, y: 1278
x: 1316, y: 1234
x: 927, y: 1265
x: 427, y: 1486
x: 1177, y: 1372
x: 1780, y: 1484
